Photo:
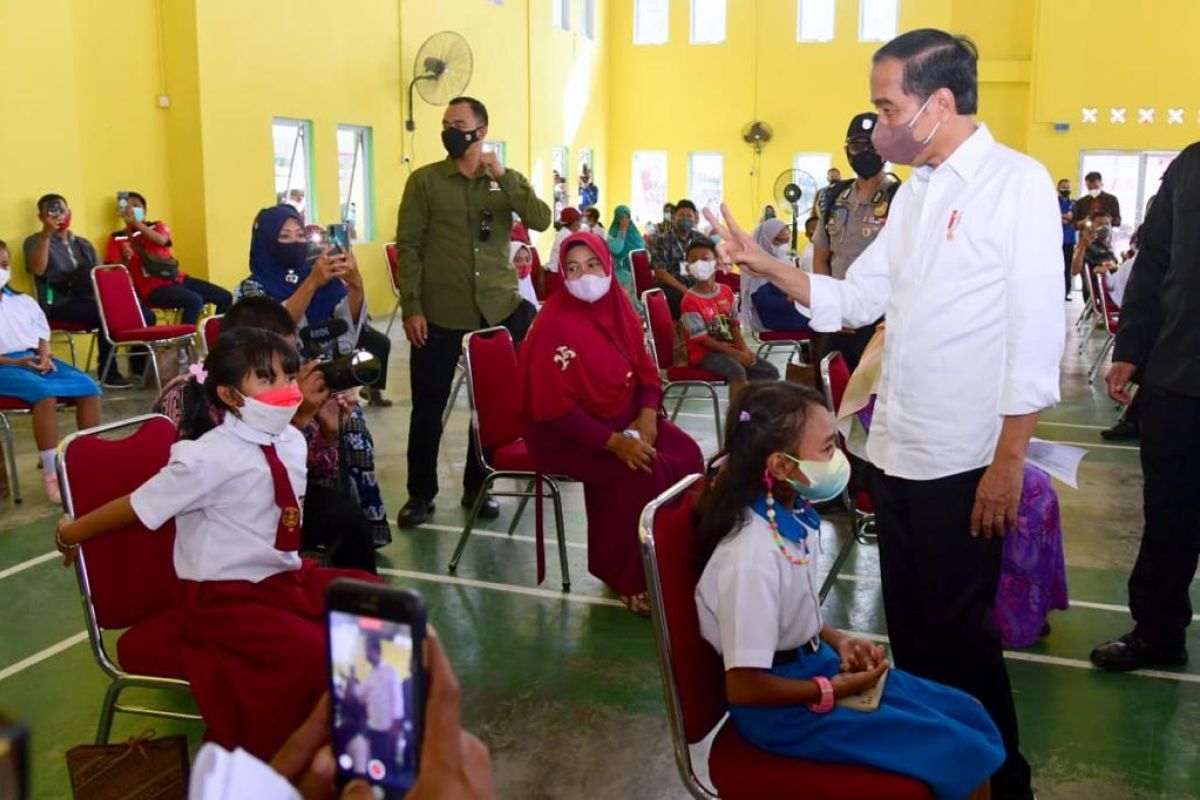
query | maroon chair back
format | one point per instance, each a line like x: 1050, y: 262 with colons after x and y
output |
x: 669, y: 558
x: 491, y: 370
x: 211, y: 330
x: 119, y: 307
x: 393, y: 265
x: 551, y: 282
x: 1111, y: 309
x: 836, y: 376
x: 131, y: 571
x: 643, y: 272
x: 662, y: 328
x: 734, y: 282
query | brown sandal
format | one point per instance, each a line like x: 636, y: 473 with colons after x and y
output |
x: 637, y: 603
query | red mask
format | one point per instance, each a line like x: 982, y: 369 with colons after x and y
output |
x: 65, y: 222
x: 281, y: 396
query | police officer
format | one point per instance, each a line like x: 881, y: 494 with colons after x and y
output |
x: 852, y: 212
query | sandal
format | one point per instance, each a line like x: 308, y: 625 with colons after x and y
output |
x: 637, y: 603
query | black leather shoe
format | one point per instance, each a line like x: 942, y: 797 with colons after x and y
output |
x: 1133, y: 652
x: 490, y: 508
x: 1122, y: 430
x: 416, y: 512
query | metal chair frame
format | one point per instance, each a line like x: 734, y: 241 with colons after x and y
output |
x: 69, y: 338
x: 549, y: 484
x: 200, y: 328
x: 1109, y: 319
x: 121, y: 680
x: 705, y: 388
x: 152, y: 346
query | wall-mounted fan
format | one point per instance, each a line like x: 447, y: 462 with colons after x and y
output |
x: 441, y: 71
x: 756, y: 134
x: 794, y: 190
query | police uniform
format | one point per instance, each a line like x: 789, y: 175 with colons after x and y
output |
x: 848, y: 225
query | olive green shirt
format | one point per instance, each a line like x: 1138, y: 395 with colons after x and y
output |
x: 446, y: 273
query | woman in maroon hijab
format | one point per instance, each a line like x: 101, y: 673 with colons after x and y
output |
x: 591, y: 402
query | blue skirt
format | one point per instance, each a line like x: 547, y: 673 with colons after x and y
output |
x: 33, y: 387
x: 924, y: 730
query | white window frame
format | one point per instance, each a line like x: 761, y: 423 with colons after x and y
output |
x: 589, y: 18
x: 867, y: 10
x: 1147, y: 184
x: 809, y: 36
x: 724, y: 10
x: 698, y: 194
x: 302, y: 158
x: 648, y: 208
x: 360, y: 175
x: 560, y: 14
x: 650, y: 38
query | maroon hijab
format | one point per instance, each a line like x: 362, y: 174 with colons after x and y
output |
x: 584, y: 355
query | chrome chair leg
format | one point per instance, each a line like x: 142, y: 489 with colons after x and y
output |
x: 479, y: 500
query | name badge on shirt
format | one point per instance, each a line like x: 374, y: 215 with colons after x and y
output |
x: 493, y: 186
x: 291, y: 277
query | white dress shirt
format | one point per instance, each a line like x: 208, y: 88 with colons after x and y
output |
x: 22, y: 323
x: 220, y: 491
x: 752, y: 601
x: 383, y: 695
x: 218, y: 774
x: 1115, y: 281
x: 969, y: 272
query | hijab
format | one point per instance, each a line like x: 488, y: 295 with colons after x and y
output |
x: 269, y: 265
x: 584, y: 355
x: 633, y: 237
x: 513, y: 249
x: 766, y: 232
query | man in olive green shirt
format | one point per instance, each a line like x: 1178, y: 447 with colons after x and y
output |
x: 452, y: 249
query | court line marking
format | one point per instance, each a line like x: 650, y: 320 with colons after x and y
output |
x: 42, y: 655
x: 549, y: 594
x: 551, y: 539
x: 1073, y: 425
x: 24, y: 565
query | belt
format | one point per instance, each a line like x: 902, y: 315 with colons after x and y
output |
x: 788, y: 656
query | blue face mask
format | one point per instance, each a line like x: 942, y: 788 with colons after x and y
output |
x: 139, y: 214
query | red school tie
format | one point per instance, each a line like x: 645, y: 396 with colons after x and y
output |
x: 287, y: 535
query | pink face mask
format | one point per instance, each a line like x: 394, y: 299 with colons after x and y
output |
x: 897, y: 144
x: 282, y: 396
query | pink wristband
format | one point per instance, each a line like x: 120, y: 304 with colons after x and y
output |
x: 826, y: 704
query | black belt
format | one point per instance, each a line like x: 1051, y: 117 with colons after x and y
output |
x: 788, y: 656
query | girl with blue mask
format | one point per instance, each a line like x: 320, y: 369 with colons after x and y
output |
x: 789, y: 675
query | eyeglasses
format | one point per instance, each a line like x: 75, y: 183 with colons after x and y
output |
x: 859, y: 146
x: 485, y: 225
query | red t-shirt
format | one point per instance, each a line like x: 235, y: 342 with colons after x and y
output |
x: 145, y: 284
x: 707, y: 315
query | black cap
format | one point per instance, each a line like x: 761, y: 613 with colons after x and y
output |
x: 862, y: 125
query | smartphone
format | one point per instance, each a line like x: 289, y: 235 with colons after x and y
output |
x: 122, y: 202
x: 377, y: 683
x: 338, y: 235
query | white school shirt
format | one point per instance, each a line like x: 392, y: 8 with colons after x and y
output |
x: 218, y: 774
x: 968, y: 270
x: 382, y: 694
x: 1118, y: 280
x: 753, y: 602
x: 220, y: 492
x: 22, y: 323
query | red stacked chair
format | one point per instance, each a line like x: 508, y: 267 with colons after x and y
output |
x: 122, y: 323
x: 643, y: 271
x: 662, y: 346
x: 127, y: 577
x: 693, y: 679
x: 393, y: 271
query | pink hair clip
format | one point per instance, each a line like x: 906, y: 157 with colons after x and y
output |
x: 744, y: 416
x: 197, y: 372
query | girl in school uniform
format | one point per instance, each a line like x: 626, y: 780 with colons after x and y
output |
x: 757, y: 535
x: 29, y: 373
x: 254, y: 638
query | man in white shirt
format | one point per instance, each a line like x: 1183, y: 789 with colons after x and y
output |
x: 382, y: 693
x: 967, y: 270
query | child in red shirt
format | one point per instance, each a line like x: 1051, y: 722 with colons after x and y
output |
x: 714, y: 335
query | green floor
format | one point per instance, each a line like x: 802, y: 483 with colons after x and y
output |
x: 565, y: 688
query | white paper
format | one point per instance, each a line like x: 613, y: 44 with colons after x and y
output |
x: 1059, y: 460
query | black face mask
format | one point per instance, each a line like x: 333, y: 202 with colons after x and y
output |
x: 866, y: 164
x: 291, y: 254
x: 457, y: 142
x: 1065, y: 192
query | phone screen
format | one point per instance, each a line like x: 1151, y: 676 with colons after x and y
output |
x: 339, y: 237
x: 376, y: 695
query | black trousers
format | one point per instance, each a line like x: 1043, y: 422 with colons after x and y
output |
x: 850, y: 345
x: 380, y: 346
x: 431, y: 374
x: 86, y: 311
x: 939, y: 585
x: 190, y: 296
x: 1166, y: 562
x: 336, y: 521
x: 1068, y: 256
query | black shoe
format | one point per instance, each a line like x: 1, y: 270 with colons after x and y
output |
x: 416, y: 512
x: 1133, y: 652
x: 116, y: 380
x: 490, y: 509
x: 1122, y: 430
x: 375, y: 399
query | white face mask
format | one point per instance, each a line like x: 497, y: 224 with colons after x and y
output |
x: 782, y: 251
x: 589, y: 288
x: 702, y: 270
x: 5, y: 274
x: 826, y: 479
x: 266, y: 418
x: 1093, y: 192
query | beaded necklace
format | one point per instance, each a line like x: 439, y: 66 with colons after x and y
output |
x: 808, y: 520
